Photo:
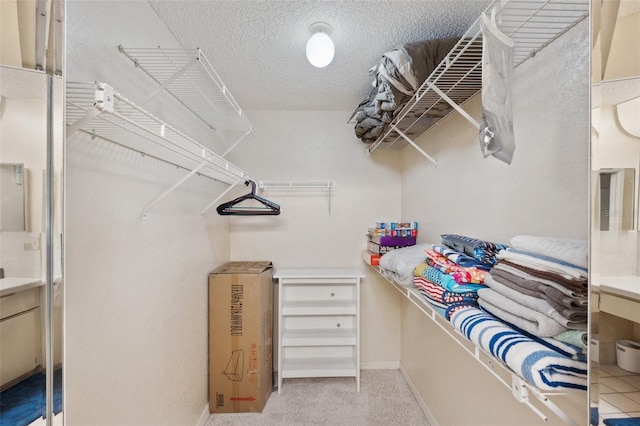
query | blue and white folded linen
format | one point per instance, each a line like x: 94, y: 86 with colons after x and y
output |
x: 571, y: 251
x: 484, y: 251
x: 537, y: 364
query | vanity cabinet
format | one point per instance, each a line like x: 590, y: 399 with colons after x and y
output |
x: 19, y: 334
x: 318, y: 323
x: 619, y: 295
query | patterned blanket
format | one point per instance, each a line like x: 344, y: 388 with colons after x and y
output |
x: 446, y: 301
x: 484, y: 251
x: 538, y: 364
x: 460, y: 258
x: 462, y: 274
x: 444, y: 280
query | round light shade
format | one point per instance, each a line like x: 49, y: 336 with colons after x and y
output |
x: 320, y: 50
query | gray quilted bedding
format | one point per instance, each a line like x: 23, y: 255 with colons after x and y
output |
x: 398, y: 75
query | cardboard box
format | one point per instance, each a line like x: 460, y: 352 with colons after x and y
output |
x: 240, y: 337
x: 372, y: 259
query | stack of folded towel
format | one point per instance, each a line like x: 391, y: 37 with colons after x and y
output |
x: 540, y: 285
x: 453, y: 272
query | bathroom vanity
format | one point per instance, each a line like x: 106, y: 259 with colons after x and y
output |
x: 20, y: 328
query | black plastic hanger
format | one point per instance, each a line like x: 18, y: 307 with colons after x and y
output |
x: 231, y: 208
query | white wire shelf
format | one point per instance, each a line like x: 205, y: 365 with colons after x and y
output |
x: 531, y: 24
x: 190, y: 78
x: 97, y: 110
x: 521, y: 390
x: 299, y: 186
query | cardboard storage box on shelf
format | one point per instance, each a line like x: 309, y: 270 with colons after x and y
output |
x: 372, y: 259
x: 240, y: 337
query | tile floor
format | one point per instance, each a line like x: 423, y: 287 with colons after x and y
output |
x: 619, y: 393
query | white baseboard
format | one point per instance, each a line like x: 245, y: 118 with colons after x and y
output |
x: 384, y: 365
x: 414, y: 390
x: 204, y: 416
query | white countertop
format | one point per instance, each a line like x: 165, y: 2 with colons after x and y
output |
x: 623, y: 285
x: 13, y: 285
x: 320, y: 273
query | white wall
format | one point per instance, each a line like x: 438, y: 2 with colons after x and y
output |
x: 544, y: 192
x: 320, y: 145
x: 136, y: 290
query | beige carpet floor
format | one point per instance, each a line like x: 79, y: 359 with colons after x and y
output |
x: 384, y: 399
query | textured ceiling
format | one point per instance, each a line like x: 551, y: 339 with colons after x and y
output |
x: 258, y: 47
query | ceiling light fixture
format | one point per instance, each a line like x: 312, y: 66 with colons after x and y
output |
x: 320, y: 48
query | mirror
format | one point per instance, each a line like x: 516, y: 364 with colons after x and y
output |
x: 615, y: 199
x: 614, y: 270
x: 31, y: 208
x: 13, y: 190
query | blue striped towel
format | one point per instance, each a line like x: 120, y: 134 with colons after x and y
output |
x: 537, y: 364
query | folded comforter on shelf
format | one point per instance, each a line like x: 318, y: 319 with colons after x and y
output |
x: 396, y: 78
x: 398, y: 265
x: 539, y: 365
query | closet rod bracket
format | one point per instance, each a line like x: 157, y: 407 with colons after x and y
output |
x: 103, y: 100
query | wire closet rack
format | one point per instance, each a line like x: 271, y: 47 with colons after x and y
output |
x: 97, y: 110
x: 522, y: 391
x: 531, y: 24
x: 188, y: 76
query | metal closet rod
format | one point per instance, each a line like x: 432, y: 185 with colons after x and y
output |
x: 146, y: 154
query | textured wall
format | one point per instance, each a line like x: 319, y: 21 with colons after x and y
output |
x: 321, y: 146
x: 136, y: 290
x: 543, y: 192
x: 545, y: 189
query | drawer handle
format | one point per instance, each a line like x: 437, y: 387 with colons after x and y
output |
x: 7, y: 295
x: 333, y: 294
x: 338, y: 325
